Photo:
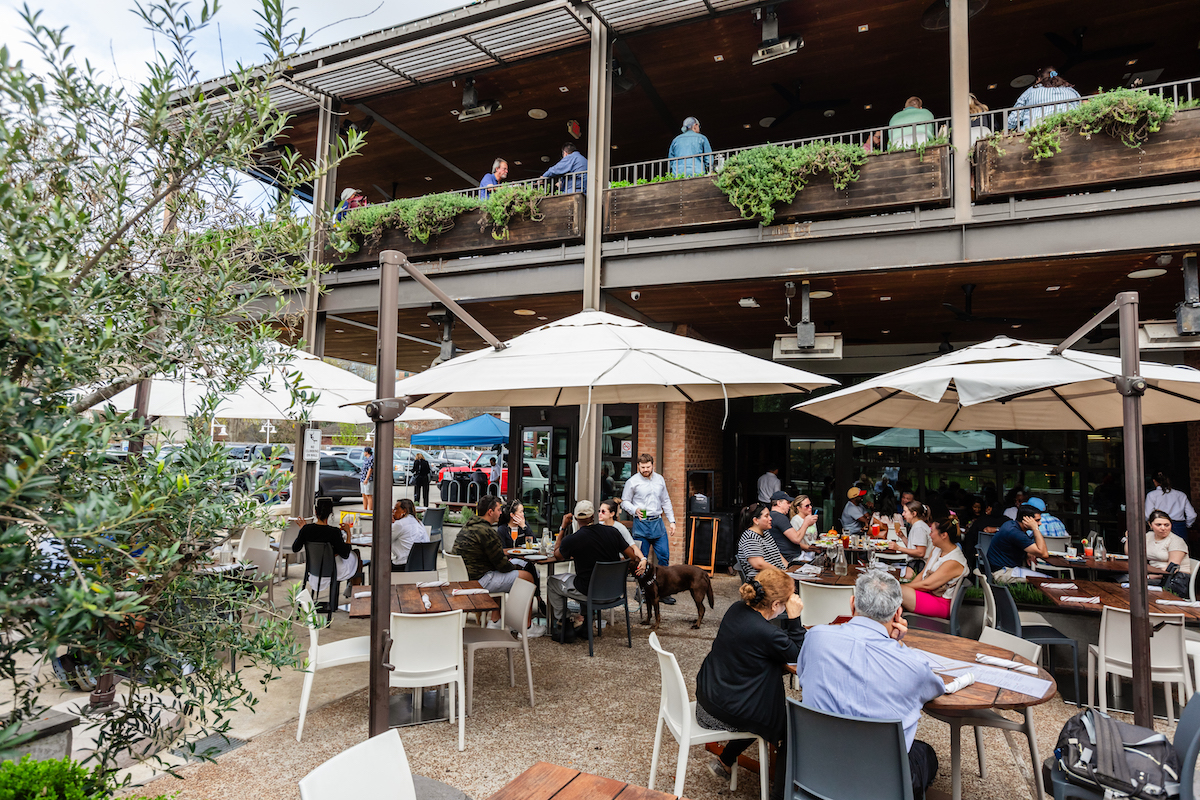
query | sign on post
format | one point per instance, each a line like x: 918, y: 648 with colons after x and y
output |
x: 312, y: 444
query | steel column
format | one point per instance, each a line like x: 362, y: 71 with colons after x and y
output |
x: 960, y: 110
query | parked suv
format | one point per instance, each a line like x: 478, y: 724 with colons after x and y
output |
x: 338, y: 477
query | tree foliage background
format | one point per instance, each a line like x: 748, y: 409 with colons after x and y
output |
x: 127, y: 254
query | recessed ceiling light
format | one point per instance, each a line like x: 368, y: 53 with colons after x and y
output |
x: 993, y: 85
x: 424, y: 324
x: 428, y: 178
x: 523, y: 312
x: 563, y: 89
x: 819, y: 295
x: 1153, y: 272
x: 885, y: 331
x: 718, y: 58
x: 766, y: 122
x: 537, y: 113
x: 867, y: 107
x: 747, y: 125
x: 863, y: 28
x: 614, y: 147
x: 829, y: 112
x: 1131, y: 62
x: 1016, y: 326
x: 543, y: 318
x: 424, y: 351
x: 748, y: 302
x: 1053, y: 288
x: 1163, y: 260
x: 1021, y: 81
x: 366, y: 354
x: 884, y: 298
x: 339, y: 330
x: 518, y: 163
x: 545, y: 159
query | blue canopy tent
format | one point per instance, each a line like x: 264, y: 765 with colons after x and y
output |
x: 482, y: 430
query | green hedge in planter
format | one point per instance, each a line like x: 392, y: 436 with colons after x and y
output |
x: 757, y: 179
x: 54, y: 779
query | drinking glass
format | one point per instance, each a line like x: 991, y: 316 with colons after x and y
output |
x: 513, y: 532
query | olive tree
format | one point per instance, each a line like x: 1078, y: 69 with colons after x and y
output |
x: 127, y: 254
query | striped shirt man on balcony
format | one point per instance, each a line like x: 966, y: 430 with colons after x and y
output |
x: 1048, y: 88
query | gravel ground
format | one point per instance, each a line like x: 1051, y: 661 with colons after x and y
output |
x: 593, y: 714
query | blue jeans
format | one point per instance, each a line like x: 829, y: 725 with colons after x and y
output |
x: 649, y: 532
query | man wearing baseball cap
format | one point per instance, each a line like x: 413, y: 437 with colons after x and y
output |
x: 854, y: 516
x: 790, y: 541
x: 590, y: 544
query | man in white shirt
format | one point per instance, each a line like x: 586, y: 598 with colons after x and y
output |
x: 645, y: 499
x: 495, y: 476
x: 769, y: 484
x: 407, y: 530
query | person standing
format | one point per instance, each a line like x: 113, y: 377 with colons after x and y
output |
x: 499, y: 172
x: 688, y: 150
x: 494, y: 475
x: 421, y: 473
x: 645, y: 499
x: 366, y: 478
x: 1173, y: 503
x: 769, y: 484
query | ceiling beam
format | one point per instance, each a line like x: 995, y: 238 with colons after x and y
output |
x: 424, y: 148
x: 629, y: 60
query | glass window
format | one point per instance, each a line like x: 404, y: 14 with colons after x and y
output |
x: 618, y: 445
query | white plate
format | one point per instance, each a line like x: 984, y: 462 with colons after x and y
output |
x: 536, y: 558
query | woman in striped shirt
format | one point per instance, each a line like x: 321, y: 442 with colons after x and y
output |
x: 756, y: 548
x: 1048, y: 88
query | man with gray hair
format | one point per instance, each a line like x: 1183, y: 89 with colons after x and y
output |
x: 688, y: 153
x: 499, y: 172
x: 861, y: 669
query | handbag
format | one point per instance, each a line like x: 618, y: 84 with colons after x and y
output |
x: 1176, y: 581
x: 1120, y: 759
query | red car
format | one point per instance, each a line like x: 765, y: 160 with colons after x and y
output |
x: 463, y: 475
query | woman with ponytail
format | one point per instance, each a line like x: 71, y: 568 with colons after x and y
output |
x: 738, y: 687
x: 932, y: 593
x: 1048, y: 87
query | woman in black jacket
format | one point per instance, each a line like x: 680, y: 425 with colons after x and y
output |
x: 421, y: 473
x: 738, y: 687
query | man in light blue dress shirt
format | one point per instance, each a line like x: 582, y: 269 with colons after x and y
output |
x: 645, y: 499
x: 573, y: 170
x: 861, y: 669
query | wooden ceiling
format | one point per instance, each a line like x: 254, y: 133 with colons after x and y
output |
x: 914, y: 314
x: 838, y: 69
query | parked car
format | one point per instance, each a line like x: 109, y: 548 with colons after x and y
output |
x: 450, y: 458
x: 463, y: 474
x: 402, y: 461
x: 354, y: 454
x: 338, y: 477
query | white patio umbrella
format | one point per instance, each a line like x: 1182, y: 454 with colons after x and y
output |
x: 335, y: 388
x: 1008, y: 384
x: 593, y: 357
x: 938, y: 441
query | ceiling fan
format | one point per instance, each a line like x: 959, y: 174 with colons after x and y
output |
x: 796, y: 104
x: 937, y: 16
x: 965, y: 314
x: 1073, y: 49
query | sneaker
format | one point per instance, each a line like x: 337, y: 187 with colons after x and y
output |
x: 717, y: 767
x: 535, y: 631
x: 495, y: 626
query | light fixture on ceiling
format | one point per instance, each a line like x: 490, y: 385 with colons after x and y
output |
x: 992, y: 85
x: 545, y: 159
x: 1053, y: 288
x: 524, y: 312
x: 538, y: 113
x: 1163, y: 260
x: 454, y: 111
x: 563, y: 89
x: 819, y: 295
x: 614, y: 147
x: 428, y: 178
x: 718, y: 58
x: 885, y: 331
x: 621, y: 82
x: 885, y: 298
x: 424, y: 351
x: 1016, y: 326
x: 945, y: 346
x: 518, y: 163
x: 364, y: 354
x: 543, y: 318
x: 473, y: 107
x: 937, y: 16
x: 1131, y: 62
x: 829, y: 112
x: 772, y: 46
x: 748, y: 302
x: 766, y: 122
x: 1021, y: 81
x: 746, y: 125
x: 867, y: 107
x: 1153, y: 272
x: 863, y: 28
x: 424, y: 324
x: 339, y: 330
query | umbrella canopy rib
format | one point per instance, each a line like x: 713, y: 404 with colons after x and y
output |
x: 953, y: 417
x: 1074, y: 410
x: 868, y: 407
x: 1176, y: 395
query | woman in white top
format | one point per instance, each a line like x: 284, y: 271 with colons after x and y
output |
x: 916, y: 543
x: 804, y: 520
x: 932, y: 593
x: 607, y: 515
x: 1173, y: 503
x: 1163, y: 547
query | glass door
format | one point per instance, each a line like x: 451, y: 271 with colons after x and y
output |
x: 546, y: 475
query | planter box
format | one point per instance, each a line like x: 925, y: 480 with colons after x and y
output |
x: 562, y: 224
x: 51, y: 736
x: 890, y: 180
x: 1171, y: 155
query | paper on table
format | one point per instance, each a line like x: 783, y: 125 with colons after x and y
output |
x: 1004, y: 663
x: 1073, y: 599
x: 425, y: 601
x: 432, y: 584
x: 1186, y: 603
x: 992, y: 676
x: 362, y: 594
x: 1057, y: 586
x: 1148, y: 588
x: 460, y: 592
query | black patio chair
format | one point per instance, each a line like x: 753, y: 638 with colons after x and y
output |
x: 320, y: 562
x: 422, y: 557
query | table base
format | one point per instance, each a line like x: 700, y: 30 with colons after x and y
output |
x: 432, y: 707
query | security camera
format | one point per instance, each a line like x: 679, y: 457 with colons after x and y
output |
x: 386, y: 410
x: 635, y: 296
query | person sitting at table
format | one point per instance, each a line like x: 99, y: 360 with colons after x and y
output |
x: 804, y: 520
x: 513, y: 516
x: 1012, y: 501
x: 407, y: 530
x: 986, y: 521
x: 1017, y: 546
x: 914, y: 543
x: 738, y: 686
x: 607, y: 512
x: 889, y: 518
x: 349, y: 562
x: 854, y: 515
x: 1164, y: 547
x: 861, y: 669
x: 482, y: 554
x: 788, y: 539
x: 589, y: 545
x: 932, y: 593
x: 756, y: 549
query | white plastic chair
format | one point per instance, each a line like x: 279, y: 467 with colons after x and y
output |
x: 264, y: 573
x: 321, y: 656
x: 1114, y: 656
x: 516, y: 619
x: 438, y: 659
x: 987, y: 718
x: 376, y: 769
x: 252, y: 538
x: 679, y: 715
x: 1056, y: 545
x: 456, y: 572
x: 284, y: 549
x: 823, y: 604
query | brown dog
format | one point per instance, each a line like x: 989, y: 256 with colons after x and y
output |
x: 659, y: 582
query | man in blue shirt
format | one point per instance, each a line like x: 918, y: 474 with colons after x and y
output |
x: 860, y: 669
x: 573, y: 166
x: 1016, y: 546
x: 1050, y: 525
x: 686, y: 146
x: 499, y: 172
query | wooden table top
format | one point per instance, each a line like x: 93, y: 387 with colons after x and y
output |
x: 543, y: 781
x: 406, y: 599
x: 977, y: 696
x: 829, y: 578
x: 1108, y: 565
x: 1110, y: 594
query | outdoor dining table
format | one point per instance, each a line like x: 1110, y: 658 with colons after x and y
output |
x: 1094, y: 566
x: 828, y: 577
x: 544, y: 781
x: 536, y: 558
x: 1110, y: 594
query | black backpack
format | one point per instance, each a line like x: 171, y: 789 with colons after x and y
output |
x: 1099, y: 752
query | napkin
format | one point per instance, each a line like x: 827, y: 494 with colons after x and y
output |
x: 1148, y: 588
x: 1058, y: 586
x: 362, y: 594
x: 961, y: 682
x: 432, y: 584
x: 808, y: 569
x: 1185, y: 603
x: 460, y: 592
x: 1070, y: 599
x: 425, y: 600
x: 1004, y: 663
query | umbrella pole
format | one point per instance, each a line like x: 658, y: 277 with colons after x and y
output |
x: 1132, y: 386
